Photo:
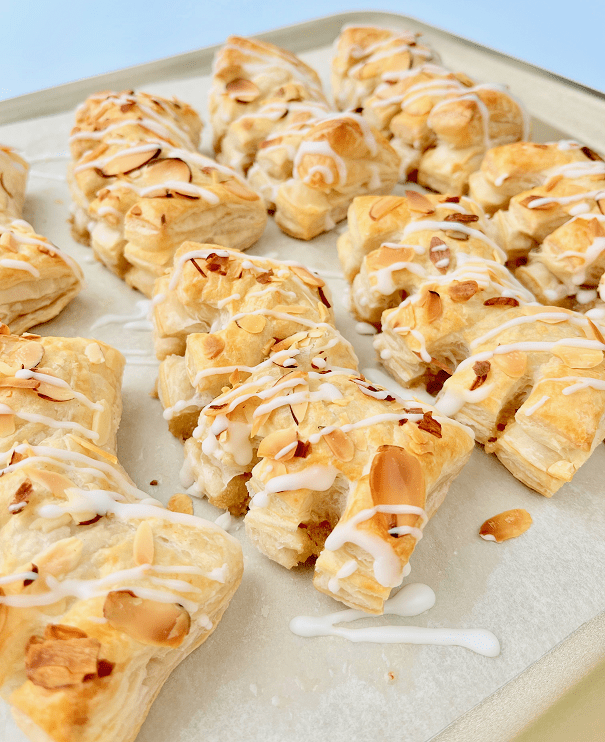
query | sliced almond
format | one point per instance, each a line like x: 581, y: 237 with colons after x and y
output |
x: 306, y: 276
x: 252, y: 323
x: 181, y: 503
x: 11, y: 382
x: 382, y: 206
x: 60, y: 663
x: 27, y: 355
x: 21, y: 497
x: 433, y: 307
x: 95, y: 449
x: 277, y: 441
x: 540, y: 207
x: 242, y: 91
x: 56, y: 393
x: 7, y: 242
x: 419, y: 202
x: 147, y: 621
x: 211, y: 346
x: 501, y: 301
x: 4, y: 329
x: 461, y: 291
x: 397, y: 478
x: 601, y: 205
x: 430, y: 425
x: 126, y: 162
x: 575, y: 357
x: 461, y: 218
x: 258, y: 423
x: 159, y: 171
x: 340, y: 444
x: 291, y: 308
x: 513, y: 364
x: 299, y: 410
x: 510, y: 524
x: 592, y: 332
x: 563, y: 470
x: 239, y: 189
x: 439, y: 254
x: 142, y: 546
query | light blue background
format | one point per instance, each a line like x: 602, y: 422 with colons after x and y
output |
x: 48, y: 42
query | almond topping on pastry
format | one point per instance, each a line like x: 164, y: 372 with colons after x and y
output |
x: 601, y: 205
x: 578, y: 357
x: 126, y: 162
x: 591, y: 154
x: 21, y: 497
x: 433, y: 306
x: 299, y: 410
x: 242, y: 91
x: 147, y: 621
x: 56, y: 393
x: 240, y: 190
x: 181, y: 503
x: 541, y: 207
x: 396, y: 478
x: 142, y: 546
x: 306, y: 276
x: 513, y: 364
x: 264, y: 278
x: 4, y: 329
x: 501, y: 301
x: 461, y: 291
x: 277, y: 441
x: 405, y: 317
x: 64, y: 658
x: 340, y: 444
x: 481, y: 369
x: 27, y: 355
x: 95, y: 449
x: 212, y: 346
x: 10, y: 382
x: 419, y: 202
x: 461, y: 218
x: 430, y: 425
x: 592, y: 332
x: 457, y: 235
x: 160, y: 171
x: 252, y: 323
x: 383, y: 206
x: 510, y: 524
x: 7, y: 241
x: 290, y: 308
x: 439, y: 254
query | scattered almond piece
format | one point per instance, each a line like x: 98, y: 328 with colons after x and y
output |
x: 181, y: 503
x: 509, y: 524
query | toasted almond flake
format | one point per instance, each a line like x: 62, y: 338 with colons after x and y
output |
x: 513, y: 364
x: 433, y: 307
x: 147, y: 621
x: 95, y: 449
x: 419, y: 202
x: 457, y: 235
x: 461, y: 291
x: 430, y: 425
x: 306, y: 276
x: 252, y: 323
x: 541, y: 207
x: 578, y: 357
x: 240, y: 190
x: 382, y: 206
x: 159, y: 171
x: 56, y: 393
x: 27, y: 355
x: 563, y: 470
x: 142, y: 546
x: 62, y: 662
x: 461, y: 218
x: 181, y: 503
x: 591, y: 154
x: 125, y: 163
x: 509, y: 524
x: 439, y: 252
x: 211, y: 346
x: 4, y: 329
x: 291, y: 308
x: 7, y: 242
x: 601, y: 205
x: 94, y: 353
x: 258, y: 424
x: 276, y: 441
x: 340, y: 444
x: 324, y: 315
x: 552, y: 182
x: 592, y: 332
x: 7, y: 425
x: 501, y: 301
x: 481, y: 369
x: 11, y: 382
x: 242, y: 90
x: 397, y: 478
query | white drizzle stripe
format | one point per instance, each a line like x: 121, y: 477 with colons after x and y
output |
x: 32, y: 417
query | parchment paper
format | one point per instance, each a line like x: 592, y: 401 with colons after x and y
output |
x: 255, y: 680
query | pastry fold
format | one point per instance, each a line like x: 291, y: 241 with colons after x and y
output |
x: 272, y: 121
x: 103, y: 591
x: 37, y: 280
x: 442, y: 123
x: 141, y: 188
x: 533, y: 390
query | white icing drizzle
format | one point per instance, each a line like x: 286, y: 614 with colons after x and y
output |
x: 20, y: 265
x: 563, y: 200
x: 136, y: 321
x: 317, y: 477
x: 533, y: 408
x: 364, y: 328
x: 529, y: 319
x: 48, y: 379
x: 427, y: 224
x: 32, y: 417
x: 411, y: 600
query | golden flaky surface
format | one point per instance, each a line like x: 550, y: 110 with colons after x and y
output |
x: 141, y: 188
x: 101, y: 595
x: 37, y: 280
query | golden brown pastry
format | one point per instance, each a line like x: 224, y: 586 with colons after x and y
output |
x: 103, y: 591
x: 218, y: 312
x: 533, y: 390
x: 442, y: 123
x: 37, y: 280
x: 426, y: 336
x: 141, y: 188
x: 403, y: 241
x: 337, y: 468
x: 367, y: 55
x: 308, y: 175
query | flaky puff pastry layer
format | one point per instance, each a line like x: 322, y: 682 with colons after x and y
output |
x: 367, y: 55
x: 398, y: 242
x: 513, y: 168
x: 103, y: 591
x: 442, y: 123
x: 257, y: 90
x: 334, y: 464
x: 426, y: 336
x: 229, y: 312
x: 308, y: 175
x: 145, y: 190
x: 13, y: 179
x: 533, y: 391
